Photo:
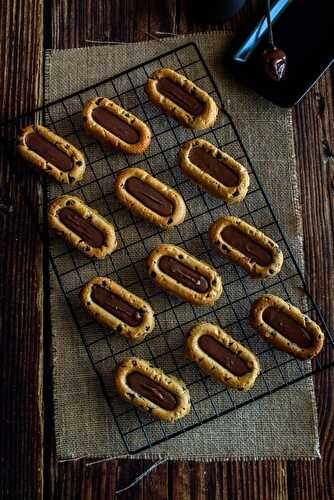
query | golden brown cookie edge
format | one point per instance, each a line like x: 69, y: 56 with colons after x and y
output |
x: 169, y: 382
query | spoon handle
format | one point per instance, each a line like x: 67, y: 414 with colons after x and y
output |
x: 270, y: 27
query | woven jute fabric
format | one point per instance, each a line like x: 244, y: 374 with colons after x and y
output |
x: 283, y: 425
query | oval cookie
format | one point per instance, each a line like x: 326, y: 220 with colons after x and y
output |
x: 286, y: 327
x: 181, y: 99
x: 222, y: 357
x: 82, y: 226
x: 183, y: 275
x: 245, y: 245
x: 51, y: 154
x: 110, y: 123
x: 150, y: 198
x: 213, y: 170
x: 151, y: 390
x: 117, y: 308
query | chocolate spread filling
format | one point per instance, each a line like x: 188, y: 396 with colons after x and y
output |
x: 151, y: 390
x: 180, y: 96
x: 213, y: 166
x: 82, y: 227
x: 49, y: 152
x: 116, y: 305
x: 115, y: 125
x: 183, y: 274
x: 222, y: 355
x: 149, y: 196
x: 287, y: 326
x: 246, y: 245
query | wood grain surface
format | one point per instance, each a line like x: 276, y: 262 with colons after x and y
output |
x: 21, y: 348
x: 28, y: 466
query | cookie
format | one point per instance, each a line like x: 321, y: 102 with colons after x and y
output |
x: 181, y: 99
x: 150, y: 198
x: 82, y: 226
x: 117, y: 308
x: 246, y: 246
x: 222, y: 357
x: 213, y: 170
x: 286, y: 327
x: 183, y: 275
x: 151, y: 390
x: 47, y: 152
x: 114, y: 126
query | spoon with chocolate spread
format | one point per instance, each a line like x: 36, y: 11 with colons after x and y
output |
x: 274, y: 59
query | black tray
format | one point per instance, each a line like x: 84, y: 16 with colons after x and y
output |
x: 304, y: 30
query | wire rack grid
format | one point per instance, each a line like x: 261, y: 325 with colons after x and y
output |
x: 164, y: 347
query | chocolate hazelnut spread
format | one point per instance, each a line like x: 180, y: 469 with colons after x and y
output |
x: 82, y: 227
x: 49, y: 152
x: 180, y: 96
x: 246, y: 245
x: 183, y: 274
x: 213, y: 166
x: 149, y: 196
x: 287, y: 326
x: 116, y: 306
x: 115, y: 125
x: 151, y: 390
x: 222, y: 355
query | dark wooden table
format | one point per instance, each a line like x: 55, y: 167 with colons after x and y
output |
x: 28, y: 466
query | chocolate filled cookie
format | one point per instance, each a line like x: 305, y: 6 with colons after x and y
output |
x: 213, y: 170
x: 150, y: 198
x: 181, y: 99
x: 82, y: 226
x: 222, y: 357
x: 286, y: 327
x: 51, y: 154
x: 110, y: 123
x: 151, y: 390
x: 245, y: 245
x: 117, y: 308
x: 183, y: 275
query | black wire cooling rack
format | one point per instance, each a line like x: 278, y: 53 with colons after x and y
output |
x: 164, y: 347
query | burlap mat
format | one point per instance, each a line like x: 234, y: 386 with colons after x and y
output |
x: 283, y: 425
